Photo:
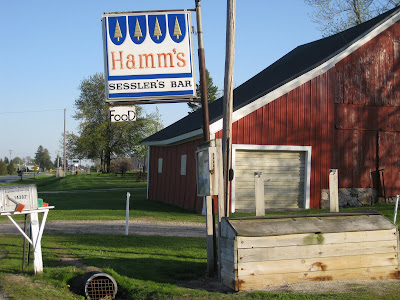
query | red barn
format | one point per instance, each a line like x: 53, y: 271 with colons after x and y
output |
x: 329, y: 104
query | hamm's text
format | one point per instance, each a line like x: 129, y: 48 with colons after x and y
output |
x: 120, y: 60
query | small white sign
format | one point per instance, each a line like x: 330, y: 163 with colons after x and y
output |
x: 122, y: 113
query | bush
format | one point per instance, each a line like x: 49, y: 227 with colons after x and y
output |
x: 10, y: 168
x: 121, y: 165
x: 3, y: 168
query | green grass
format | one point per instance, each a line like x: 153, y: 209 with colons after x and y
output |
x: 144, y: 268
x: 84, y: 181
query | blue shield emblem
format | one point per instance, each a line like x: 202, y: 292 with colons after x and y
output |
x: 157, y: 28
x: 117, y: 29
x: 137, y: 28
x: 177, y: 27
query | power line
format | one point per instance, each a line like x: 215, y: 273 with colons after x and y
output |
x: 30, y: 111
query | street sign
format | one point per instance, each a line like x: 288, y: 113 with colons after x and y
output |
x: 122, y: 113
x: 148, y: 56
x: 35, y: 168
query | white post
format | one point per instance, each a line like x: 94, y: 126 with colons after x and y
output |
x: 333, y: 190
x: 259, y: 193
x: 36, y: 243
x: 395, y: 209
x: 128, y: 195
x: 210, y: 235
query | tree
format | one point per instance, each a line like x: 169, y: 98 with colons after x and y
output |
x: 17, y: 161
x: 121, y: 165
x: 98, y: 138
x: 334, y: 16
x: 212, y: 93
x: 42, y: 158
x: 10, y: 168
x: 3, y: 168
x: 6, y: 160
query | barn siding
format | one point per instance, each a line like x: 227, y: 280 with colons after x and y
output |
x: 169, y: 186
x: 367, y: 103
x: 349, y: 115
x: 300, y: 118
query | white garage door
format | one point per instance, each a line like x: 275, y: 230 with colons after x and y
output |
x: 284, y: 176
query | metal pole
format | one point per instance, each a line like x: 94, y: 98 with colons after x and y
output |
x: 395, y: 209
x: 128, y: 195
x: 65, y: 155
x: 228, y: 98
x: 203, y: 77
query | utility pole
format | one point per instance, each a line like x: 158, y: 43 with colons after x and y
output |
x: 10, y: 155
x: 228, y: 99
x: 203, y: 76
x: 65, y: 155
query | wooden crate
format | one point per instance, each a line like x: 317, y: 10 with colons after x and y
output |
x: 260, y: 252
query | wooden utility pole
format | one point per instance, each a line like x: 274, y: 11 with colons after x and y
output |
x: 203, y: 76
x: 228, y: 98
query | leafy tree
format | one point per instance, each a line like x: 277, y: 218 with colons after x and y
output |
x: 42, y: 158
x: 334, y: 16
x: 121, y: 165
x: 17, y: 161
x: 6, y: 160
x: 10, y: 168
x: 3, y: 168
x: 98, y: 138
x: 212, y: 93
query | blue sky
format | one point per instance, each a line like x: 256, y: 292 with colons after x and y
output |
x: 49, y: 47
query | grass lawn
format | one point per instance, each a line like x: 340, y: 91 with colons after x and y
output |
x: 145, y: 267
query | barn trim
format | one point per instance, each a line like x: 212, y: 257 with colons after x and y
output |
x: 306, y: 149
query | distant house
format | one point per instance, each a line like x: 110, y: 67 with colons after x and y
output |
x: 330, y: 104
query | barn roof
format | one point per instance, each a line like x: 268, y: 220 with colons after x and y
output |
x: 301, y: 61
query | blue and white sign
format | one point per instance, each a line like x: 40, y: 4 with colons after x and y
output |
x: 148, y: 56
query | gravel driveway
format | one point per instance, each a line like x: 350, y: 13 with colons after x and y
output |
x: 136, y: 227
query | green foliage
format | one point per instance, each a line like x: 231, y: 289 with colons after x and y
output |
x: 42, y: 158
x: 98, y: 138
x: 334, y: 16
x: 10, y: 168
x: 212, y: 93
x: 3, y: 168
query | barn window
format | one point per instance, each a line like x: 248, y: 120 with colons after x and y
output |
x: 160, y: 161
x: 183, y: 164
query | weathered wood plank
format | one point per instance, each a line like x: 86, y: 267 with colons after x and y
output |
x: 317, y: 264
x: 227, y: 230
x: 229, y: 281
x: 315, y: 239
x: 229, y: 267
x: 284, y: 226
x: 310, y: 251
x: 264, y: 281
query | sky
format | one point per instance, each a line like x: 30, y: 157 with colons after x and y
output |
x: 49, y: 47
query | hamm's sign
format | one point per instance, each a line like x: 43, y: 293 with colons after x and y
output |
x: 148, y: 56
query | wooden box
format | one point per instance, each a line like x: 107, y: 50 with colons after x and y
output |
x: 257, y: 253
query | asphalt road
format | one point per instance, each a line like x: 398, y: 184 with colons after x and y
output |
x: 5, y: 179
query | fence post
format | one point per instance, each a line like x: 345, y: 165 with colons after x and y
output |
x: 333, y: 190
x: 259, y: 193
x: 395, y: 209
x: 128, y: 195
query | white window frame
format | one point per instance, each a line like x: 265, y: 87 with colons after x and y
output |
x: 306, y: 149
x: 160, y: 165
x: 183, y: 164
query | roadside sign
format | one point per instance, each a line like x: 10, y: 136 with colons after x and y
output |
x: 122, y: 113
x: 35, y: 168
x: 148, y: 56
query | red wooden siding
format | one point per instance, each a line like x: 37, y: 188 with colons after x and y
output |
x: 170, y: 186
x: 302, y: 117
x: 367, y: 103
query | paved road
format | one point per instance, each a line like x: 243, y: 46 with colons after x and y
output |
x: 5, y: 179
